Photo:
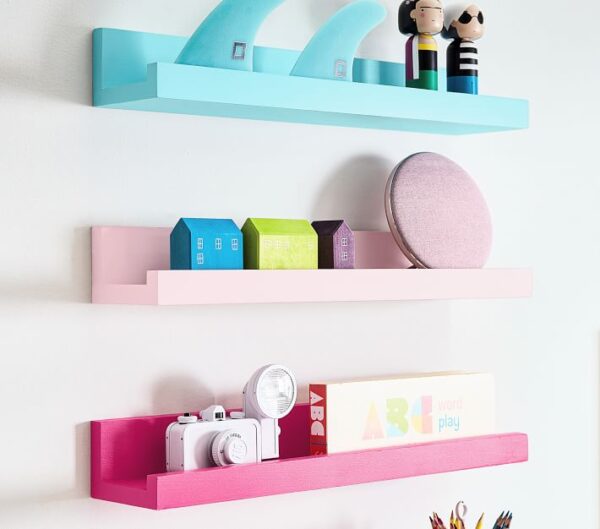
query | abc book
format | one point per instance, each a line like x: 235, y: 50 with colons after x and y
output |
x: 363, y: 414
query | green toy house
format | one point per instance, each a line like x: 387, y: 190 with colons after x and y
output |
x: 273, y: 244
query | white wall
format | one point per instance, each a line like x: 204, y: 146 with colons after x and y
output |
x: 65, y: 166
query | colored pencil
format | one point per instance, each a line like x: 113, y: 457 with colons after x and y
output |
x: 509, y: 521
x: 504, y: 520
x: 498, y: 523
x: 440, y: 523
x: 480, y: 523
x: 456, y: 522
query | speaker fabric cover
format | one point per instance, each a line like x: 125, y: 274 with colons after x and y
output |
x: 437, y: 213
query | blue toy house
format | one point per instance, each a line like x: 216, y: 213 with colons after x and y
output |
x: 207, y: 244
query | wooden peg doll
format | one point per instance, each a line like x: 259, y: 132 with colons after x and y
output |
x: 422, y: 19
x: 464, y: 25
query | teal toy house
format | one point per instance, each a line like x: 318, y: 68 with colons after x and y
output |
x: 207, y: 244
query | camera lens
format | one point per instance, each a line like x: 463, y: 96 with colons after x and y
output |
x: 229, y: 448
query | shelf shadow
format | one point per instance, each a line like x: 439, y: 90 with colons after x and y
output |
x: 78, y: 289
x: 62, y: 68
x: 180, y: 393
x: 355, y: 193
x: 80, y: 488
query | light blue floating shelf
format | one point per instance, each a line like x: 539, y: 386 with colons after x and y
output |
x: 136, y: 71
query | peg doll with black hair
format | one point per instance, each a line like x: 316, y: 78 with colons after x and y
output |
x: 422, y: 20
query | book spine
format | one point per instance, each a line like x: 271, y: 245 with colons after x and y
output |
x: 318, y: 419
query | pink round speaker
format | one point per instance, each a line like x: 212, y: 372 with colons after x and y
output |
x: 437, y: 214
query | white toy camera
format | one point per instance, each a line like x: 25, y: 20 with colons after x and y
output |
x: 245, y: 437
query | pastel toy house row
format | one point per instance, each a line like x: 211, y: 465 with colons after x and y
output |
x: 336, y: 244
x: 275, y: 244
x: 207, y: 244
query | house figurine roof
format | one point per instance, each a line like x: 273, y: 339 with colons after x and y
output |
x: 225, y: 226
x: 327, y: 227
x: 281, y: 226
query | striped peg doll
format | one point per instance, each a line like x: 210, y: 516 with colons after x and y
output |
x: 464, y: 25
x: 421, y: 19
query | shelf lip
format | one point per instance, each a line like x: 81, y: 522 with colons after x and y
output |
x: 215, y: 287
x: 175, y: 88
x: 182, y: 489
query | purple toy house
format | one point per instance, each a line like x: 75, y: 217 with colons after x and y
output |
x: 336, y: 244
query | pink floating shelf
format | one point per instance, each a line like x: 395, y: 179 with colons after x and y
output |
x: 131, y: 266
x: 128, y: 462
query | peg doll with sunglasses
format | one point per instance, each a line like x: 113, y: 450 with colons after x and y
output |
x: 422, y: 19
x: 464, y: 25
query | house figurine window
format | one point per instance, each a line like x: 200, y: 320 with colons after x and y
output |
x: 344, y: 256
x: 200, y: 258
x: 218, y: 243
x: 200, y: 243
x: 344, y: 241
x: 234, y: 245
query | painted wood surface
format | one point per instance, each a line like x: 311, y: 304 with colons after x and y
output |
x: 136, y: 71
x: 128, y: 461
x: 131, y: 266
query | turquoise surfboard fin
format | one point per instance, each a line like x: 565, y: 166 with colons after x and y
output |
x: 225, y: 38
x: 330, y: 53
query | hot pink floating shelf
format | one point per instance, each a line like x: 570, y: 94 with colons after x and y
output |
x: 131, y: 266
x: 128, y: 461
